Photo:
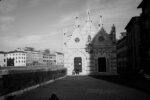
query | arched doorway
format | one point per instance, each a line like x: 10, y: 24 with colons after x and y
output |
x: 78, y: 64
x: 101, y: 64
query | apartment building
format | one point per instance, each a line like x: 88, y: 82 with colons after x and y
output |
x: 3, y: 59
x: 16, y: 58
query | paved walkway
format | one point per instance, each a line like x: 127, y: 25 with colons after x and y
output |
x: 84, y: 88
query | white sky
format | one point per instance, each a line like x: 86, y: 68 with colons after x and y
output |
x: 40, y: 23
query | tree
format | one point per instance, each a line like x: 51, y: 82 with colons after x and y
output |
x: 29, y: 49
x: 47, y: 51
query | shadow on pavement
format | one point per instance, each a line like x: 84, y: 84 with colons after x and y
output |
x: 136, y: 82
x: 53, y: 97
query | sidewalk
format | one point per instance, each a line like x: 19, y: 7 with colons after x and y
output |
x: 84, y: 88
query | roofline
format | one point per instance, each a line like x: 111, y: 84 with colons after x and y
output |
x: 131, y: 20
x: 122, y: 39
x: 59, y: 52
x: 50, y: 54
x: 2, y: 52
x: 16, y: 52
x: 143, y: 3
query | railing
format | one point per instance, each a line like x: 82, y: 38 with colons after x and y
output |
x: 20, y: 79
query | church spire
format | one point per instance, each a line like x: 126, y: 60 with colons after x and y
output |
x: 77, y: 22
x: 88, y: 16
x: 113, y: 33
x: 100, y: 21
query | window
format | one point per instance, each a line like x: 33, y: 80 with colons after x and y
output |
x: 16, y: 61
x: 4, y: 60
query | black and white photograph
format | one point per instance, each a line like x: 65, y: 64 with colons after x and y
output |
x: 74, y: 50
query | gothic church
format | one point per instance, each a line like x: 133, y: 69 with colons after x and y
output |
x: 90, y: 50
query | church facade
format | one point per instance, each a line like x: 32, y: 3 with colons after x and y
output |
x: 90, y: 49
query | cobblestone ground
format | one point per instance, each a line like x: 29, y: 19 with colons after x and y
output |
x: 84, y: 88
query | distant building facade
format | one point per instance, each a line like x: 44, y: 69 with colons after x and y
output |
x: 16, y: 58
x: 59, y: 58
x: 31, y: 58
x: 41, y: 58
x: 3, y: 59
x: 34, y: 58
x: 90, y: 49
x: 49, y: 59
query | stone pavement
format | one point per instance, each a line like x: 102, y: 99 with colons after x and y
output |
x: 84, y: 88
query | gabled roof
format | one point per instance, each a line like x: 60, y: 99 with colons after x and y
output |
x: 102, y: 31
x: 102, y: 34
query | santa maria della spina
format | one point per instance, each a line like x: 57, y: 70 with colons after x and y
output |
x: 90, y: 49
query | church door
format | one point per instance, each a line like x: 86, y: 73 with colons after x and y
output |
x: 102, y: 64
x: 78, y: 64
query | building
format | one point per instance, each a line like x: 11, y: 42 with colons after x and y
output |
x: 137, y: 43
x: 3, y: 59
x: 122, y: 58
x: 134, y: 44
x: 90, y: 49
x: 59, y: 58
x: 34, y: 58
x: 145, y: 35
x: 16, y: 58
x: 49, y: 59
x: 39, y: 58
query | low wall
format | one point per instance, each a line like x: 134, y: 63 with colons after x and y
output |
x: 18, y: 81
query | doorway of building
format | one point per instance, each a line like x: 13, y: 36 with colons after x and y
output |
x: 101, y: 64
x: 78, y: 64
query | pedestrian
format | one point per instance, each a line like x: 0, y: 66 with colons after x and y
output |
x: 77, y: 71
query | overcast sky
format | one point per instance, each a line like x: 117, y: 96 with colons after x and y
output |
x: 40, y: 23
